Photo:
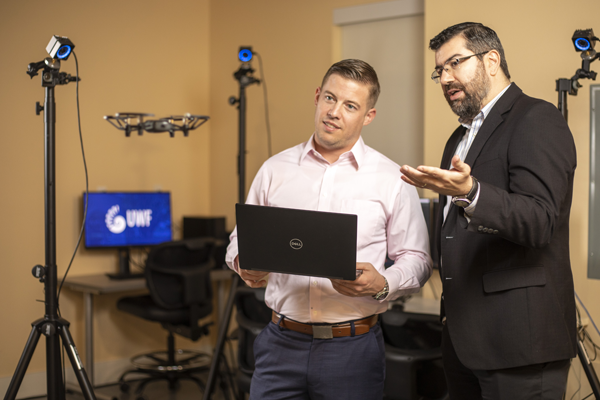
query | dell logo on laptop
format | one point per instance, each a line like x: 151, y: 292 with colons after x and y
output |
x: 296, y: 244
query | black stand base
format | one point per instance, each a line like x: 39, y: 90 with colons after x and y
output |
x: 50, y: 328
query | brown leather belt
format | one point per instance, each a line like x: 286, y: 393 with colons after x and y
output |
x: 361, y: 327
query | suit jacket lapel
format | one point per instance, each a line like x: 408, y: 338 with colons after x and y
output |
x: 492, y: 121
x: 451, y: 146
x: 446, y: 158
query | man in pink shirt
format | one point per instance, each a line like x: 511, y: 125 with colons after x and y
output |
x: 336, y: 171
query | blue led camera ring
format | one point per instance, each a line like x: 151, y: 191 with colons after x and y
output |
x: 583, y: 44
x: 63, y: 52
x: 245, y: 55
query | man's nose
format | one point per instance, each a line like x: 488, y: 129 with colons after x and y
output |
x: 446, y: 77
x: 334, y: 111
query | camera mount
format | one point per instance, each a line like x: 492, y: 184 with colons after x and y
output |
x: 244, y: 76
x: 583, y: 41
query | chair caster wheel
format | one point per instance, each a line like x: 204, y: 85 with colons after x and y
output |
x: 124, y: 387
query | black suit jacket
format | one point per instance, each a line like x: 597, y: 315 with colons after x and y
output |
x: 508, y: 288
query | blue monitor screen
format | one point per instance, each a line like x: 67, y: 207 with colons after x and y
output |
x: 126, y: 219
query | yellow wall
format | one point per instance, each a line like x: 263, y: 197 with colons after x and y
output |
x: 144, y: 56
x: 176, y: 57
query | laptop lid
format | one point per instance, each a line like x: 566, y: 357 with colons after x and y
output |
x: 300, y: 242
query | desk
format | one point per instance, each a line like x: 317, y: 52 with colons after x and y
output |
x: 91, y: 285
x: 420, y: 305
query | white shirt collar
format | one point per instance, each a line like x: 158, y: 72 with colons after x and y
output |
x: 357, y: 152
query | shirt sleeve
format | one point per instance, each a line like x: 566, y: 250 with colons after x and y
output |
x: 530, y: 201
x: 408, y: 245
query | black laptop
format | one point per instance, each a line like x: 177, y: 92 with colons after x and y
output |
x: 300, y: 242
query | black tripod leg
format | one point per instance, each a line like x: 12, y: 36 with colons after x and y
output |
x: 82, y: 378
x: 54, y: 374
x: 588, y: 368
x: 222, y: 335
x: 226, y: 379
x: 17, y: 378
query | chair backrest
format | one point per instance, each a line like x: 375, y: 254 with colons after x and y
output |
x: 178, y: 272
x: 411, y: 330
x: 413, y: 356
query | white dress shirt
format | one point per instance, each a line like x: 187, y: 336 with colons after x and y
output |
x: 362, y: 182
x: 465, y: 144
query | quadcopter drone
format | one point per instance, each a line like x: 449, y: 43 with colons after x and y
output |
x: 131, y: 122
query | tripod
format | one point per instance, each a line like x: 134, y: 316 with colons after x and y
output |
x: 566, y: 87
x: 51, y: 325
x: 243, y: 76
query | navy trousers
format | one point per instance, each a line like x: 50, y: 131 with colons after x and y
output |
x: 292, y: 365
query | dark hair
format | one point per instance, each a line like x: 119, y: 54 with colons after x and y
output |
x: 478, y: 39
x: 356, y: 70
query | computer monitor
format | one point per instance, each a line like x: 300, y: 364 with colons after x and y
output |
x: 123, y: 220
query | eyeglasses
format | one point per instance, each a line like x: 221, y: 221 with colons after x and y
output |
x: 453, y: 65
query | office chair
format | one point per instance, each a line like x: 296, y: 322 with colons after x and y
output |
x: 252, y: 316
x: 178, y: 278
x: 413, y: 356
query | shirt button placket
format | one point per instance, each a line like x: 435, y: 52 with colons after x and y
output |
x: 325, y: 194
x: 315, y: 299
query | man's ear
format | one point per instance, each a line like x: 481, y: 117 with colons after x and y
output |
x: 492, y: 60
x: 369, y: 116
x: 317, y: 95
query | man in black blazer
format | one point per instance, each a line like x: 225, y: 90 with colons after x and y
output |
x: 505, y: 185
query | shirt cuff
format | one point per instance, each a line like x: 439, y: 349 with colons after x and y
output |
x: 470, y: 209
x: 231, y: 259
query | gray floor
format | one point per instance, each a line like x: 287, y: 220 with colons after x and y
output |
x: 153, y: 391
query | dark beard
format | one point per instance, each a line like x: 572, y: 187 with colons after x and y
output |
x: 474, y: 93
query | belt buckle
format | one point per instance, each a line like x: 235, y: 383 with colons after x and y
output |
x: 322, y: 332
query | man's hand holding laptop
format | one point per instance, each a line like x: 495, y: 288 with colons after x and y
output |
x: 254, y: 279
x: 368, y: 282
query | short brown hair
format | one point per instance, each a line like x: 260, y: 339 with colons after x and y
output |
x: 356, y: 70
x: 478, y: 38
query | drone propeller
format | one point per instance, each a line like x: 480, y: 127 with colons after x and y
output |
x: 186, y: 123
x: 128, y: 122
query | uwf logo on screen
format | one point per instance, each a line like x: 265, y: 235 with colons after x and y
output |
x: 127, y: 219
x: 133, y: 219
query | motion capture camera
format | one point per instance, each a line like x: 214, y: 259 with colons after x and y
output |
x: 245, y: 54
x: 584, y: 40
x: 60, y: 47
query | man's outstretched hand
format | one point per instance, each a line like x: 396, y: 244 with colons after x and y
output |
x: 454, y: 182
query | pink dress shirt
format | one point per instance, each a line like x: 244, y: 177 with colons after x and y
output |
x: 362, y: 182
